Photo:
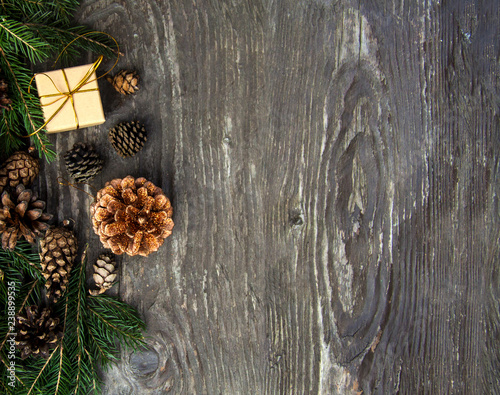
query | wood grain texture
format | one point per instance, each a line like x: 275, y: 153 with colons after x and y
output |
x: 334, y: 172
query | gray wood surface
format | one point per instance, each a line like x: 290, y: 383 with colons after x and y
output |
x: 334, y: 172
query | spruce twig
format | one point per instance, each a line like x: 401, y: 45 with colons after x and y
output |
x: 24, y: 41
x: 42, y: 370
x: 94, y: 383
x: 62, y: 349
x: 26, y: 108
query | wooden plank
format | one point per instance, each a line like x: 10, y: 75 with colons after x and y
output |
x: 333, y: 168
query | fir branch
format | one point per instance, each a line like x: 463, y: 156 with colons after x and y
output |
x: 11, y: 142
x: 26, y: 261
x: 7, y: 367
x: 28, y: 103
x: 105, y: 353
x: 8, y: 331
x: 78, y: 337
x: 18, y: 87
x: 58, y: 10
x: 62, y: 349
x: 16, y: 37
x: 35, y: 283
x: 80, y: 348
x: 94, y: 328
x: 94, y: 382
x: 121, y: 330
x: 83, y: 40
x: 42, y: 370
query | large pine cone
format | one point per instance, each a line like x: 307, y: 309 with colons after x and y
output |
x: 132, y: 216
x: 104, y: 273
x: 57, y: 254
x: 21, y: 216
x: 83, y: 162
x: 128, y: 138
x: 126, y: 82
x: 19, y: 168
x: 38, y: 332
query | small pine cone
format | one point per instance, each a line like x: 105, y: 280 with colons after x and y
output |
x: 21, y: 215
x: 38, y: 332
x: 132, y: 216
x: 83, y: 162
x: 104, y: 273
x: 126, y: 82
x: 19, y: 168
x: 57, y: 254
x: 128, y: 138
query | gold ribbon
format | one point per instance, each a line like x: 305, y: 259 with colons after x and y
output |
x: 68, y: 96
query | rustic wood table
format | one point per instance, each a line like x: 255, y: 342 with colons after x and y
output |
x: 334, y: 172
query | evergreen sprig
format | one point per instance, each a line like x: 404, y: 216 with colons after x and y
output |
x: 32, y: 32
x: 95, y: 328
x: 26, y: 114
x: 16, y: 39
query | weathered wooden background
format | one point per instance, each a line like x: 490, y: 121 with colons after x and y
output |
x: 334, y: 172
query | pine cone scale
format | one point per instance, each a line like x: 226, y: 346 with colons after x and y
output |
x: 42, y: 226
x: 33, y: 214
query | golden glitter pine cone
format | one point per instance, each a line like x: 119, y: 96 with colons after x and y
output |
x: 132, y: 216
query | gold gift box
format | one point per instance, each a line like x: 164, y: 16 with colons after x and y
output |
x: 70, y: 98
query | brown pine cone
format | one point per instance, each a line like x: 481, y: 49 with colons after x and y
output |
x: 19, y: 168
x: 83, y: 162
x: 38, y: 332
x: 126, y: 82
x: 127, y: 138
x: 21, y: 216
x: 57, y: 254
x: 132, y: 216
